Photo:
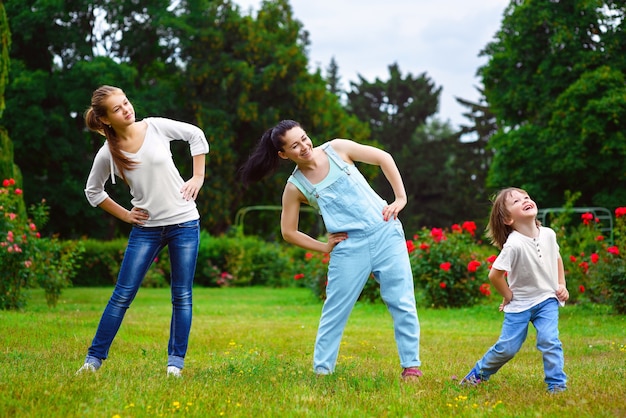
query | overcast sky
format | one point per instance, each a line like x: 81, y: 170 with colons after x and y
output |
x: 440, y: 38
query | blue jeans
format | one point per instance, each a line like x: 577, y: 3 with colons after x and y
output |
x: 545, y: 318
x: 144, y: 244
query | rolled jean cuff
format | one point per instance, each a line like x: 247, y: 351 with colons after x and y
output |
x: 176, y: 361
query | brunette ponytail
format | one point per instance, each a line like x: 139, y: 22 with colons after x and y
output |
x: 264, y: 159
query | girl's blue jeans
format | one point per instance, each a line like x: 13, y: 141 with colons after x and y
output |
x: 545, y: 318
x: 144, y: 244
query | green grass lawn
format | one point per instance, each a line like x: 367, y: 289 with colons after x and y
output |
x: 250, y: 355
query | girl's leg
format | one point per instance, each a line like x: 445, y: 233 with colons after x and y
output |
x: 513, y: 335
x: 348, y: 270
x: 546, y: 321
x: 392, y: 270
x: 183, y: 242
x: 143, y: 246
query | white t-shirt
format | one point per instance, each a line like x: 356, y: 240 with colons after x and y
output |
x: 155, y: 182
x: 532, y: 268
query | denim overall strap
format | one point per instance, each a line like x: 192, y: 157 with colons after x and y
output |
x: 310, y: 189
x: 336, y: 158
x: 308, y: 186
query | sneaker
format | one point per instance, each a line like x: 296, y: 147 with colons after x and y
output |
x: 556, y: 389
x: 174, y: 371
x: 87, y: 367
x: 321, y: 371
x: 471, y: 379
x: 411, y: 373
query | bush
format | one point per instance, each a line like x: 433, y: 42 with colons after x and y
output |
x: 310, y: 270
x: 450, y: 267
x: 101, y: 262
x: 613, y: 272
x: 27, y: 259
x: 242, y: 261
x: 595, y: 269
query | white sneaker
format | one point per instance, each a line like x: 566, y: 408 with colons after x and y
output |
x: 87, y: 367
x: 174, y: 371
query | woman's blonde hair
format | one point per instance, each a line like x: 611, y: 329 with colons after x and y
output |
x: 497, y: 229
x: 92, y: 117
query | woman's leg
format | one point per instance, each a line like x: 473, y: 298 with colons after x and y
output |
x: 392, y: 269
x: 143, y: 246
x: 183, y: 242
x: 348, y: 270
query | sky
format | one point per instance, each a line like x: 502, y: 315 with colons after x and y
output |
x: 441, y: 38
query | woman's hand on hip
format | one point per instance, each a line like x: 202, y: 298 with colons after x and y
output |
x: 191, y: 187
x: 391, y: 211
x: 335, y: 238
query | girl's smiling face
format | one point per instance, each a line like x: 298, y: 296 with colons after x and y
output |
x: 520, y: 207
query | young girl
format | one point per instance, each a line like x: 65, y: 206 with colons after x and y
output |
x: 536, y: 287
x: 365, y: 234
x: 163, y: 212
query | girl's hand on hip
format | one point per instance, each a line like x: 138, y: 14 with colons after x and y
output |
x: 505, y: 301
x: 562, y: 293
x: 137, y: 216
x: 191, y: 188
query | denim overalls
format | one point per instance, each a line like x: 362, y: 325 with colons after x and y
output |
x: 375, y: 246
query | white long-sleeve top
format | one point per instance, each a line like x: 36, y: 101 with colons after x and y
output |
x: 154, y: 182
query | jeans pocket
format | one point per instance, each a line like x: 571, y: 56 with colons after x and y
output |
x: 190, y: 224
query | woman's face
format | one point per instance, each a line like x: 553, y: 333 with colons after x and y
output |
x: 297, y: 146
x: 120, y: 112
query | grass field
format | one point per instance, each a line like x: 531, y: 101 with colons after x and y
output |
x: 250, y: 355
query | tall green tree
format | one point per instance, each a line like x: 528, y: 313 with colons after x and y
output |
x: 8, y: 169
x: 242, y: 75
x: 394, y: 110
x: 199, y: 61
x: 55, y: 67
x: 554, y: 81
x: 333, y: 80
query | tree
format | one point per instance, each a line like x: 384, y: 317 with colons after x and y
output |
x: 8, y: 169
x: 445, y: 183
x: 241, y: 76
x: 394, y: 108
x: 333, y: 82
x: 554, y: 80
x: 49, y: 89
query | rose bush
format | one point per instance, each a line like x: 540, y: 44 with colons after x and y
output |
x: 450, y: 266
x: 595, y: 269
x: 28, y: 259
